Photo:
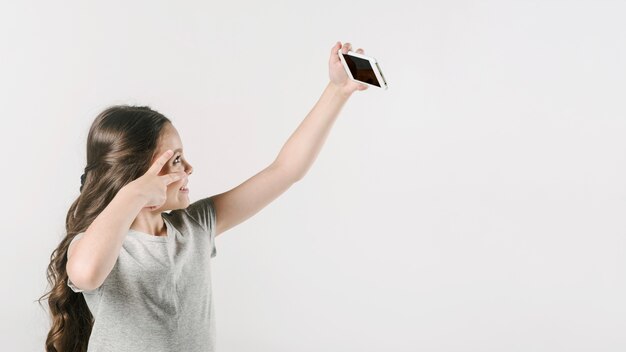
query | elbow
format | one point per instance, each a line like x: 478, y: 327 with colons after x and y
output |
x: 295, y: 177
x: 287, y: 172
x: 81, y: 277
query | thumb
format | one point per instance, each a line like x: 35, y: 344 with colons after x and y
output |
x: 334, y: 52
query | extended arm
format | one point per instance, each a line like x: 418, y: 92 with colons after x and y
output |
x: 295, y: 158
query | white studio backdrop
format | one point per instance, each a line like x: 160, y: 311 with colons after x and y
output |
x: 476, y: 205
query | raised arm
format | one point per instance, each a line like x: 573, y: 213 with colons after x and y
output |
x: 91, y: 258
x: 296, y: 156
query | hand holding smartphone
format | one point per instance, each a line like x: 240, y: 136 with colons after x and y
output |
x: 363, y: 69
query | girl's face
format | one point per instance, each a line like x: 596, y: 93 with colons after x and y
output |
x: 176, y: 199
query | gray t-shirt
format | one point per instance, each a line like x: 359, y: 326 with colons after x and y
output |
x: 158, y: 295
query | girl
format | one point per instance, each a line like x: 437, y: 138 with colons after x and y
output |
x: 130, y: 277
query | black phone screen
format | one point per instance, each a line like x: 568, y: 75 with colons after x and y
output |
x: 361, y: 69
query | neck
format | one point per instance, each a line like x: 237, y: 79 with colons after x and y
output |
x: 150, y: 222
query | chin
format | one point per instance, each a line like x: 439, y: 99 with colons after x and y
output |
x: 178, y: 205
x: 184, y: 204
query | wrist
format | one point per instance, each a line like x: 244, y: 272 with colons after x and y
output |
x: 132, y: 194
x: 340, y: 89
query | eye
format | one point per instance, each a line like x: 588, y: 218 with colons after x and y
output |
x: 177, y: 159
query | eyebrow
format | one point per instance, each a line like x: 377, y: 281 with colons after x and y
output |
x: 178, y: 150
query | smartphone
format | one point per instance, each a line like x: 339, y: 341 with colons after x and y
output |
x: 363, y: 69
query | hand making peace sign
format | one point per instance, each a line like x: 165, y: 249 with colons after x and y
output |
x: 152, y: 186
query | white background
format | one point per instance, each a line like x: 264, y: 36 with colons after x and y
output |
x: 476, y: 205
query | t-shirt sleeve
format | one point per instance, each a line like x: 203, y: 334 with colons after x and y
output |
x: 203, y: 211
x: 69, y: 282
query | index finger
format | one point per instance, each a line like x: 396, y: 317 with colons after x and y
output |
x: 172, y: 177
x: 158, y: 164
x: 345, y: 48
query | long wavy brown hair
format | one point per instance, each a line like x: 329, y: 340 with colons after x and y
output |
x: 121, y: 143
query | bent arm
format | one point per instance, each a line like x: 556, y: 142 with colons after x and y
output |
x: 95, y: 253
